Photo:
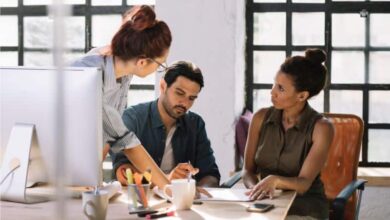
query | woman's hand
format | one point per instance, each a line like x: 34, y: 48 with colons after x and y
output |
x: 265, y: 187
x: 121, y: 173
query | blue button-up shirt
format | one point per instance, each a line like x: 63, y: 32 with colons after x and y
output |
x: 189, y: 142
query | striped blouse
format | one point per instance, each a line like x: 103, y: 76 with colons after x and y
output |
x: 114, y: 103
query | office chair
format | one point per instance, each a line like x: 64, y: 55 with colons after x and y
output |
x: 232, y: 180
x: 342, y: 188
x: 241, y: 134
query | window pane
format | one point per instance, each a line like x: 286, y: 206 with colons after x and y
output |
x: 297, y: 53
x: 38, y: 32
x: 308, y: 28
x: 37, y: 2
x: 379, y: 106
x: 38, y: 59
x: 47, y: 2
x: 378, y: 148
x: 139, y: 96
x: 266, y: 64
x: 141, y: 2
x: 46, y: 58
x: 308, y: 1
x: 348, y: 30
x: 74, y: 2
x: 379, y: 30
x: 106, y: 3
x: 9, y: 3
x: 317, y: 102
x: 269, y: 1
x: 269, y: 28
x: 149, y: 80
x: 103, y: 28
x: 8, y: 58
x: 75, y: 32
x: 347, y: 67
x: 261, y: 99
x: 379, y: 67
x: 9, y: 37
x: 346, y: 101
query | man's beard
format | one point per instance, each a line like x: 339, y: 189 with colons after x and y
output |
x: 171, y: 111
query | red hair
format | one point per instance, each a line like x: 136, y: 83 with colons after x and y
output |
x: 142, y: 36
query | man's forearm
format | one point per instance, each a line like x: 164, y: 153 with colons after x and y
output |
x: 208, y: 181
x: 141, y: 159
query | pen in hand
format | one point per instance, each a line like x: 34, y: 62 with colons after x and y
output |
x: 189, y: 175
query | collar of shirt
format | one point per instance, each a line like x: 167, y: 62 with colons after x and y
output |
x: 276, y: 117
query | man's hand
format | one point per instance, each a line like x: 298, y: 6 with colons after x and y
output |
x: 182, y: 170
x: 200, y: 190
x: 121, y: 173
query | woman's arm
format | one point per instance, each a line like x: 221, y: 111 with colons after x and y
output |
x: 141, y: 160
x: 249, y: 170
x: 314, y: 162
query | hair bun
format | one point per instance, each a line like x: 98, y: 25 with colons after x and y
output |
x: 143, y: 18
x: 315, y: 55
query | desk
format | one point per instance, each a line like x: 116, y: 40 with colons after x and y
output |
x: 117, y: 209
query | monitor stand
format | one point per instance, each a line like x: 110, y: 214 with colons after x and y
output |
x: 16, y: 161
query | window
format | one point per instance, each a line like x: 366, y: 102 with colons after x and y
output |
x: 28, y: 38
x: 355, y: 36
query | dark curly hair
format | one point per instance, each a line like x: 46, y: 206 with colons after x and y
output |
x: 307, y: 72
x: 186, y: 69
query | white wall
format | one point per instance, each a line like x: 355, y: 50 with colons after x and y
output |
x: 211, y: 34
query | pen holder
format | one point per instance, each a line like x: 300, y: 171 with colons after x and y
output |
x: 138, y: 196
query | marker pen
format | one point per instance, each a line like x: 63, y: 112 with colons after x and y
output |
x: 160, y: 215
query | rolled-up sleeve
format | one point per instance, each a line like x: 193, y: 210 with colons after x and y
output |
x: 115, y: 132
x: 130, y: 121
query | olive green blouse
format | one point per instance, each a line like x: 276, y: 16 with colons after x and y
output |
x: 283, y: 153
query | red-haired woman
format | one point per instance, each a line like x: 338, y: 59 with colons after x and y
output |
x: 140, y: 47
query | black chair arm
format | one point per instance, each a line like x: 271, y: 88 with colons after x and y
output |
x: 231, y: 181
x: 340, y: 201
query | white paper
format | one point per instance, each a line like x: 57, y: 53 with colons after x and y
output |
x: 226, y: 194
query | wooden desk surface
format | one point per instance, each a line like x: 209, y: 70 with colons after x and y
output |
x: 118, y: 209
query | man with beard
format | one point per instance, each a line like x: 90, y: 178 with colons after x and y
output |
x: 175, y: 138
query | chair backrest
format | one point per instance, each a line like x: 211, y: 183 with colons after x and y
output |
x: 241, y: 129
x: 343, y: 158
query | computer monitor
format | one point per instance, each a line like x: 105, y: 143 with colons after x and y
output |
x: 29, y: 99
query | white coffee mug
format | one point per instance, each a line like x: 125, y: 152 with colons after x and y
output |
x: 183, y: 193
x: 95, y: 204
